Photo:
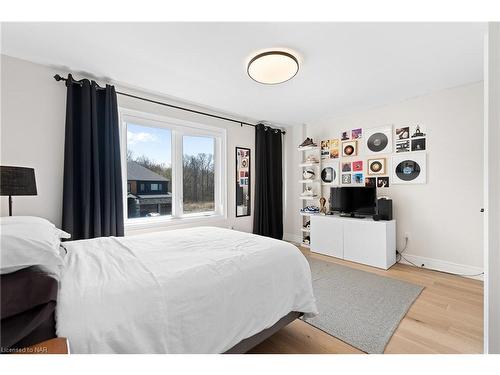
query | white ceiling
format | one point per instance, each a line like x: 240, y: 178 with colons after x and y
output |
x: 345, y: 67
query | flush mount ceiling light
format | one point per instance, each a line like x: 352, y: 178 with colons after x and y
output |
x: 273, y: 67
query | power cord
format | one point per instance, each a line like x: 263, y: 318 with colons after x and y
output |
x: 401, y: 256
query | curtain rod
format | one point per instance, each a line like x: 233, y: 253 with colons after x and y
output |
x: 58, y: 78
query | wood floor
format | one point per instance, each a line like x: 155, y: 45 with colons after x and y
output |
x: 446, y: 318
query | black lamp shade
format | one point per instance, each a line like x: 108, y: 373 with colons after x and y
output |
x: 17, y: 181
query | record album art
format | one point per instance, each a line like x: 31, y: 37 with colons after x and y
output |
x: 349, y: 148
x: 334, y: 165
x: 402, y: 133
x: 334, y: 148
x: 346, y: 178
x: 418, y: 144
x: 346, y: 167
x: 417, y: 131
x: 376, y: 166
x: 378, y: 140
x: 345, y: 135
x: 327, y: 174
x: 409, y: 168
x: 402, y: 146
x: 357, y: 166
x: 325, y: 149
x: 371, y: 181
x: 356, y: 133
x: 357, y: 178
x: 382, y: 182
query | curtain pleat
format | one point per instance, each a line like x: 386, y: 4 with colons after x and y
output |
x: 92, y: 192
x: 268, y: 207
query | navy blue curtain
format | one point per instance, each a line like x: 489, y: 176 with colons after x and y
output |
x: 268, y: 206
x: 92, y: 196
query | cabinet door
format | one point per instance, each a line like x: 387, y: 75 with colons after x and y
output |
x: 327, y: 236
x: 365, y: 242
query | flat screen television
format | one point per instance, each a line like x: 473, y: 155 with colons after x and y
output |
x: 353, y: 201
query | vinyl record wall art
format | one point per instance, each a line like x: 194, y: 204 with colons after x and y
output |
x: 330, y: 172
x: 378, y: 140
x: 409, y: 168
x: 349, y: 148
x: 376, y: 166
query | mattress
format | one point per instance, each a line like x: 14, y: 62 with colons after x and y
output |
x: 197, y: 290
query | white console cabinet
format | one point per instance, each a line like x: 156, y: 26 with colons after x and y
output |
x: 358, y: 240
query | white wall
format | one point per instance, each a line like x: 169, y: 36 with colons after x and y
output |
x: 443, y: 216
x: 32, y: 135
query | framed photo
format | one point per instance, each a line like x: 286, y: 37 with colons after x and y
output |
x: 417, y: 131
x: 346, y: 179
x: 402, y: 146
x: 357, y: 166
x: 325, y: 149
x: 376, y: 166
x: 345, y: 135
x: 243, y: 195
x: 382, y: 182
x: 334, y: 148
x: 378, y: 140
x: 346, y: 166
x: 402, y: 133
x: 349, y: 148
x: 356, y: 133
x: 357, y: 178
x: 371, y: 181
x: 409, y: 168
x: 418, y: 144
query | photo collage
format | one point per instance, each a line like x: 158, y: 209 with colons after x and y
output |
x: 364, y: 155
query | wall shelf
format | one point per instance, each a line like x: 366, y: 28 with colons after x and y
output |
x: 308, y: 148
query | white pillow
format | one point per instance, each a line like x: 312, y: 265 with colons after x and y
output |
x: 28, y: 241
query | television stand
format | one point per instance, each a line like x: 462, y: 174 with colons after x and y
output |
x: 357, y: 240
x: 354, y: 216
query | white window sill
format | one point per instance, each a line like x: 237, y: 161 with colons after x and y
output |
x: 170, y: 221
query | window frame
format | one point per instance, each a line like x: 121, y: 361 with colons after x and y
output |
x: 179, y: 128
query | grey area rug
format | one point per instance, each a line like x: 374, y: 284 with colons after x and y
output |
x: 358, y: 307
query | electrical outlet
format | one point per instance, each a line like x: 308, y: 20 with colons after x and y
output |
x: 407, y: 236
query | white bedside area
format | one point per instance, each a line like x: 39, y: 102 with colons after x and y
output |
x: 358, y: 240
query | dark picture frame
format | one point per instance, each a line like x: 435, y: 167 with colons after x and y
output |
x: 243, y: 196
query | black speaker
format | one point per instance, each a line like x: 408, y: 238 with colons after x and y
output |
x: 384, y: 209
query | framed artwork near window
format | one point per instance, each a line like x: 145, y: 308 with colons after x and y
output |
x: 243, y: 198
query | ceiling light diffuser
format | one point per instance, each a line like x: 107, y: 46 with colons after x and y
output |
x: 273, y: 67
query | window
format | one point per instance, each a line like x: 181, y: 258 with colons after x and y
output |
x: 148, y: 159
x: 174, y: 169
x: 198, y: 174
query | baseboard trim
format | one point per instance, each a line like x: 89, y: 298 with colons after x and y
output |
x: 290, y: 237
x: 445, y: 266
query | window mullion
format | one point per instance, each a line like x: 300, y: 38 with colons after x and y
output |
x: 177, y: 174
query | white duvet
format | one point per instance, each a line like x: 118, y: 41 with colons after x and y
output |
x: 199, y: 290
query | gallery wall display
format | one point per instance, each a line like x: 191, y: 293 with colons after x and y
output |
x: 378, y: 140
x: 372, y: 148
x: 409, y: 168
x: 243, y: 203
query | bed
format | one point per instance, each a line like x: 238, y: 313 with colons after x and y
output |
x: 197, y: 290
